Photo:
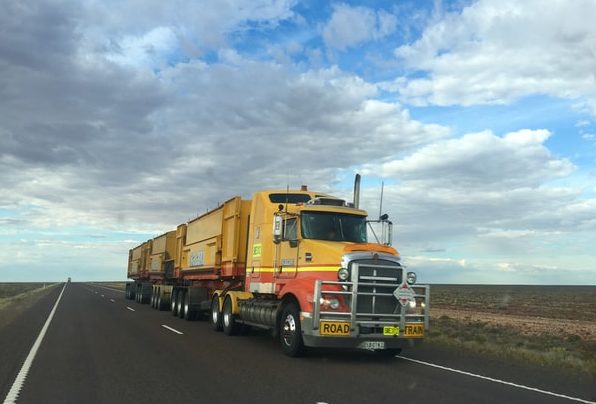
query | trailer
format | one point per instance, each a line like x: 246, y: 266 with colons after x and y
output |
x: 295, y: 262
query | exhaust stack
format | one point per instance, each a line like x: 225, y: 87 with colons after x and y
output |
x: 357, y: 191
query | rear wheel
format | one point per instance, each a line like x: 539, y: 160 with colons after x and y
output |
x: 228, y: 322
x: 215, y: 317
x: 188, y: 314
x: 173, y: 301
x: 159, y: 302
x: 290, y: 331
x: 180, y: 303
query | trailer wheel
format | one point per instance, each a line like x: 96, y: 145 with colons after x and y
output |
x: 188, y: 314
x: 159, y: 303
x: 215, y: 318
x: 173, y: 301
x: 230, y: 327
x: 180, y: 303
x: 290, y: 331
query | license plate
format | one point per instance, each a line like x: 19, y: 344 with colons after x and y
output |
x: 372, y: 345
x: 334, y: 328
x: 414, y: 330
x: 390, y: 330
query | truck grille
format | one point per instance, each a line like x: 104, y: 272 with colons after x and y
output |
x: 376, y: 284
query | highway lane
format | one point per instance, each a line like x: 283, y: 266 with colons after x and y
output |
x: 17, y: 337
x: 98, y: 349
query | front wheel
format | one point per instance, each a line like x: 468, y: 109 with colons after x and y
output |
x: 290, y: 331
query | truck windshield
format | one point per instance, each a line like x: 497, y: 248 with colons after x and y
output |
x: 333, y: 226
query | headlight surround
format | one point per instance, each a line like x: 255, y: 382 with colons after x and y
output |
x: 343, y: 274
x: 330, y: 302
x: 411, y: 278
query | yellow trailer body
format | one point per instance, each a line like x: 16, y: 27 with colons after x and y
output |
x: 216, y: 241
x: 134, y: 260
x: 163, y: 250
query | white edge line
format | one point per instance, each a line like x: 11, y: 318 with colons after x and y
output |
x: 521, y: 386
x: 13, y: 394
x: 171, y: 329
x: 130, y: 308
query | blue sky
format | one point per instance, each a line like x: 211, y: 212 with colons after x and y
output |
x: 120, y: 120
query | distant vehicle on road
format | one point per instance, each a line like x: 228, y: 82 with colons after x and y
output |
x: 68, y: 279
x: 295, y: 262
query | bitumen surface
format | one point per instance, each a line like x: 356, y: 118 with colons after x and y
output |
x: 102, y: 348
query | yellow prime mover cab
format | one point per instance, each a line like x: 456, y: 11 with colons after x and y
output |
x: 296, y: 262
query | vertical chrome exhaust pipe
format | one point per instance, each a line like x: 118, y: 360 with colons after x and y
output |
x: 357, y: 191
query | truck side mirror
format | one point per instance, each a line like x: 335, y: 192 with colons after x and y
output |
x: 277, y: 228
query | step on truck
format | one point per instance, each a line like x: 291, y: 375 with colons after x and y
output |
x: 295, y: 262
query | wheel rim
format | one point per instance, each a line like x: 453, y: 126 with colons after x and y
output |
x: 289, y: 330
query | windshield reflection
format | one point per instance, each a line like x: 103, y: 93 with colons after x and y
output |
x: 333, y: 227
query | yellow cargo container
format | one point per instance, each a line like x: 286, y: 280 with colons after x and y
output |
x: 163, y: 249
x: 146, y: 255
x: 214, y: 241
x: 134, y: 260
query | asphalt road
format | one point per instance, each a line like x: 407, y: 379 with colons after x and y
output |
x: 98, y: 350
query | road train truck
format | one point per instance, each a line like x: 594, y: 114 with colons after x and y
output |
x: 295, y: 262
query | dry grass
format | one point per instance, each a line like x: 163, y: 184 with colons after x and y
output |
x: 549, y: 325
x: 17, y: 297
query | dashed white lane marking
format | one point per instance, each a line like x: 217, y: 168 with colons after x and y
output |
x: 520, y: 386
x: 130, y: 308
x: 13, y: 394
x: 171, y: 329
x: 112, y: 300
x: 102, y: 296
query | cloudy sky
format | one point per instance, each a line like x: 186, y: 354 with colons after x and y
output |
x: 121, y: 119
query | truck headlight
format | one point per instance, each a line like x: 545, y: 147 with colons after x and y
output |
x: 411, y: 278
x: 331, y: 302
x: 334, y: 303
x: 343, y: 274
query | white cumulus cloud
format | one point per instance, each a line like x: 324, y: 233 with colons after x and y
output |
x: 497, y: 52
x: 351, y: 26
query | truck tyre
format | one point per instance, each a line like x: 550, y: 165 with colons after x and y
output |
x: 173, y: 301
x: 188, y: 313
x: 153, y: 298
x: 215, y: 318
x: 290, y: 331
x: 230, y: 327
x: 180, y: 303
